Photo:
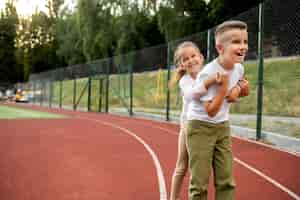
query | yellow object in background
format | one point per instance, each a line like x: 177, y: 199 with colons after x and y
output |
x: 159, y: 87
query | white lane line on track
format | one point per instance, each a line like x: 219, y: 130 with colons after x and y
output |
x: 161, y: 179
x: 259, y: 173
x: 269, y: 146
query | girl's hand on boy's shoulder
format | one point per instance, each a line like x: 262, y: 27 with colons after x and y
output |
x: 224, y: 79
x: 224, y: 83
x: 218, y: 78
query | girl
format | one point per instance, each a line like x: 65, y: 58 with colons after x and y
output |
x: 188, y: 61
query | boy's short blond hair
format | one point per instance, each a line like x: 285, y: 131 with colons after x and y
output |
x: 226, y: 26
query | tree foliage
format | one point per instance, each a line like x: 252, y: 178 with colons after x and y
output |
x: 97, y: 29
x: 10, y: 71
x: 137, y: 30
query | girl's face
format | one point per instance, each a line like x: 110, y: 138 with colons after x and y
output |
x: 191, y: 60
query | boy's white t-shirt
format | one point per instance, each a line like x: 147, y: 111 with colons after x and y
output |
x: 196, y: 110
x: 188, y: 91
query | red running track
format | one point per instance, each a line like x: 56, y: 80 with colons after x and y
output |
x: 106, y: 157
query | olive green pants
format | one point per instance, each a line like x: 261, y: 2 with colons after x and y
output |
x: 209, y: 145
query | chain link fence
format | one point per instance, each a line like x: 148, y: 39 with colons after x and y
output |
x: 137, y: 82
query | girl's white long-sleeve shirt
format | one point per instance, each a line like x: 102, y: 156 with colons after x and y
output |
x: 189, y: 92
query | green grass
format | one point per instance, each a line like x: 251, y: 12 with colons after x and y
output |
x: 81, y: 93
x: 7, y: 112
x: 281, y: 93
x: 281, y: 90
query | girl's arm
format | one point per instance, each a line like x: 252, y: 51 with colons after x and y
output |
x: 212, y: 80
x: 201, y: 89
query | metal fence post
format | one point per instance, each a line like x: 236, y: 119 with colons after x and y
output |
x: 131, y: 89
x: 208, y: 51
x: 50, y: 93
x: 260, y: 72
x: 74, y: 93
x: 89, y: 93
x: 60, y: 92
x: 168, y: 79
x: 34, y: 92
x: 42, y: 93
x: 100, y: 94
x: 107, y: 85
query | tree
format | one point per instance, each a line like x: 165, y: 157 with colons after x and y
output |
x: 10, y: 71
x: 87, y: 23
x: 138, y: 30
x: 168, y: 23
x: 54, y: 7
x: 182, y: 17
x: 36, y: 41
x: 36, y: 44
x: 197, y: 16
x: 221, y: 10
x: 68, y: 38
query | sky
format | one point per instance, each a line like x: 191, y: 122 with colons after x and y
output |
x: 28, y: 7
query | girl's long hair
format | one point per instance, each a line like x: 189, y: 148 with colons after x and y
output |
x: 177, y: 62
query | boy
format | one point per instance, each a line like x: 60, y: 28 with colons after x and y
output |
x: 208, y: 131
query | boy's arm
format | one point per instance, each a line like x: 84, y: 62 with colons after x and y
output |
x: 234, y: 94
x: 241, y: 89
x: 213, y: 107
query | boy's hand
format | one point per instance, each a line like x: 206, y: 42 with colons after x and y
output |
x: 244, y: 85
x: 240, y: 90
x: 234, y: 94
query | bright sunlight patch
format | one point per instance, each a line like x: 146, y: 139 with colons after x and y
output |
x: 19, y: 113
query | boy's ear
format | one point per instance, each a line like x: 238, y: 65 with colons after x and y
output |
x: 219, y: 48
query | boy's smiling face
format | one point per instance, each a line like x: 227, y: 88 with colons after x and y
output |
x: 232, y: 47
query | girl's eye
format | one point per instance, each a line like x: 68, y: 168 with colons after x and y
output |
x: 184, y: 59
